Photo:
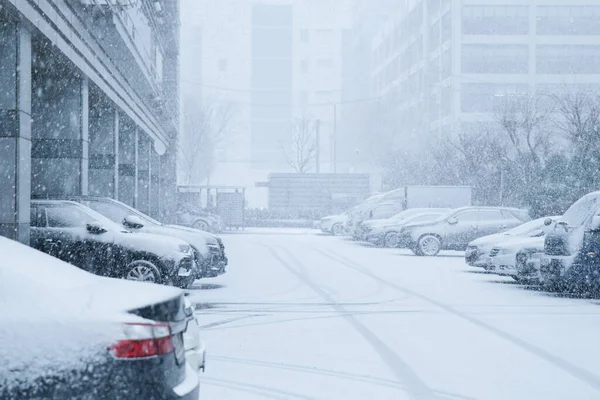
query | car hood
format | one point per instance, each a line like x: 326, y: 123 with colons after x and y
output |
x: 335, y: 218
x: 490, y: 240
x: 197, y: 238
x: 519, y: 243
x: 377, y: 223
x: 160, y: 245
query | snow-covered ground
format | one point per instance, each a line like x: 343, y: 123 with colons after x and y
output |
x: 307, y: 316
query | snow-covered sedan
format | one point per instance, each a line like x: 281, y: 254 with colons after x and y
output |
x: 209, y: 250
x: 334, y: 224
x: 80, y: 236
x: 69, y: 334
x: 478, y: 251
x: 518, y: 258
x: 387, y: 232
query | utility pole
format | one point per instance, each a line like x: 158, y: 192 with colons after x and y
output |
x: 333, y: 141
x: 318, y: 145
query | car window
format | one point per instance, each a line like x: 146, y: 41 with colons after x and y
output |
x: 423, y: 217
x: 37, y: 217
x: 384, y: 210
x: 110, y: 211
x: 467, y: 216
x: 66, y: 217
x: 490, y: 215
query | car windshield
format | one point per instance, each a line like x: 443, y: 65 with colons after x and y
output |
x: 526, y: 228
x: 579, y: 212
x: 118, y: 211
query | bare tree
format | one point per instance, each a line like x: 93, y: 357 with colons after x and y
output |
x: 205, y: 127
x: 301, y: 151
x: 525, y: 121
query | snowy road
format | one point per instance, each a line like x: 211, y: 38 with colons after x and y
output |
x: 305, y: 316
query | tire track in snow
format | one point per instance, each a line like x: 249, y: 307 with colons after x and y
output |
x: 414, y: 387
x: 582, y: 374
x: 260, y: 390
x: 328, y: 372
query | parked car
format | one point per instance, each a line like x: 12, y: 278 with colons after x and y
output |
x: 335, y: 224
x: 456, y: 229
x: 208, y: 249
x: 478, y: 251
x: 518, y: 258
x: 572, y: 247
x: 376, y: 230
x: 80, y: 236
x: 196, y: 218
x: 68, y: 334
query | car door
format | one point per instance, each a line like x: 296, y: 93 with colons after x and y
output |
x: 493, y: 221
x: 40, y: 237
x: 67, y: 226
x: 461, y: 229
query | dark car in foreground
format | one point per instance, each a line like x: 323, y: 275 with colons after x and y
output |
x: 78, y: 235
x: 68, y: 334
x: 208, y: 249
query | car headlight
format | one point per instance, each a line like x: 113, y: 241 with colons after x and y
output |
x: 522, y: 258
x: 185, y: 248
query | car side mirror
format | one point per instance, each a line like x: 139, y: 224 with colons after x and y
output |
x: 452, y: 221
x: 595, y: 226
x: 133, y: 222
x: 548, y: 221
x: 95, y: 228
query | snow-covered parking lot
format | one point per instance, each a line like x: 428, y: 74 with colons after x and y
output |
x: 300, y: 315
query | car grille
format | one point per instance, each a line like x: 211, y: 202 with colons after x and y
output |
x: 187, y: 263
x: 494, y: 252
x: 221, y: 246
x: 556, y: 245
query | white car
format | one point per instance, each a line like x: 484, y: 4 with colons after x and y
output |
x: 386, y: 232
x: 518, y: 258
x: 478, y: 251
x: 195, y: 349
x: 334, y: 224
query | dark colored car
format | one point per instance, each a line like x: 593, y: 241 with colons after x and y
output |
x: 67, y: 334
x: 208, y: 249
x: 80, y: 236
x: 572, y: 247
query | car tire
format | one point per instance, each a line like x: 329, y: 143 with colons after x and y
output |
x: 429, y: 245
x: 201, y: 225
x: 391, y: 239
x: 337, y: 230
x: 142, y: 271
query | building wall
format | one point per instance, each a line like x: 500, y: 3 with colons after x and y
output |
x: 452, y: 62
x: 82, y: 86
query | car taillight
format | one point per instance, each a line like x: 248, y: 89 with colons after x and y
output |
x: 143, y: 340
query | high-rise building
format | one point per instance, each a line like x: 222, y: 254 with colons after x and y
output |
x: 449, y: 64
x: 274, y: 63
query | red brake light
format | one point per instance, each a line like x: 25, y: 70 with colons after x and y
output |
x: 143, y: 340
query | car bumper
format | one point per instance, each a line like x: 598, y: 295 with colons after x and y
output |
x: 374, y: 238
x: 196, y: 356
x: 503, y: 264
x: 189, y: 388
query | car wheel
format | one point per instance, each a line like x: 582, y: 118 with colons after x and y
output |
x: 142, y: 271
x: 203, y: 226
x: 337, y: 230
x: 392, y: 239
x: 429, y: 245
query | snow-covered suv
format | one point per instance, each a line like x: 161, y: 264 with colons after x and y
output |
x: 456, y: 229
